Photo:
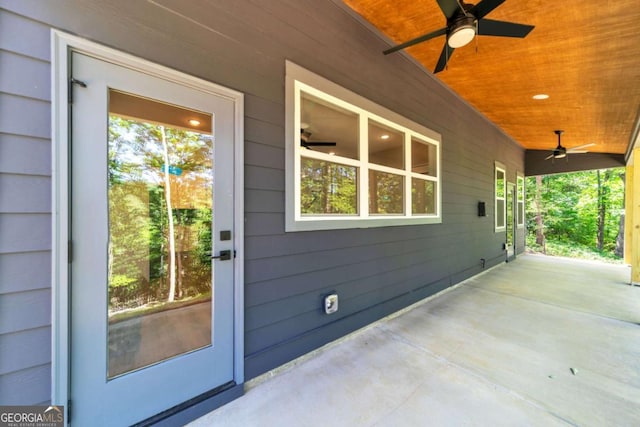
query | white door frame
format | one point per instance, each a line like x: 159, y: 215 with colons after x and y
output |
x: 61, y: 46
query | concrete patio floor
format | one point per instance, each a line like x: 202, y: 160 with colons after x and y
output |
x: 498, y: 350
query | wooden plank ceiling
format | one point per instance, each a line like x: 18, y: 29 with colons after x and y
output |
x: 584, y: 54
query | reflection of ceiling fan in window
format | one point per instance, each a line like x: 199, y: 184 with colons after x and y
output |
x: 306, y: 142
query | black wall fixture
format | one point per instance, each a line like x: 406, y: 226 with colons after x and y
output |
x: 482, y: 211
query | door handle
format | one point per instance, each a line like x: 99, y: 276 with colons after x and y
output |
x: 224, y: 255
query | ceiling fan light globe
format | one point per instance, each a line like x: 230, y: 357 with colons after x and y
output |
x: 560, y: 155
x: 461, y: 36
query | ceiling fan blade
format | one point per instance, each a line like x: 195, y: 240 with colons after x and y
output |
x: 484, y: 7
x: 445, y: 55
x: 549, y: 157
x: 580, y: 147
x: 417, y: 40
x: 576, y: 152
x: 449, y: 7
x: 490, y: 27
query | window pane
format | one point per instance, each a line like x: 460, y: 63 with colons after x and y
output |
x: 499, y: 213
x: 160, y: 189
x: 520, y: 213
x: 386, y: 193
x: 499, y: 183
x: 386, y: 146
x: 520, y: 189
x: 327, y: 188
x: 423, y: 196
x: 423, y: 158
x: 323, y: 122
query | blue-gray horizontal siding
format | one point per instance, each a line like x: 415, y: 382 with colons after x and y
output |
x: 25, y: 211
x: 243, y: 45
x: 31, y: 385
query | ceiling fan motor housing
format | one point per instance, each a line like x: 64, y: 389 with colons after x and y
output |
x: 462, y: 31
x: 559, y: 152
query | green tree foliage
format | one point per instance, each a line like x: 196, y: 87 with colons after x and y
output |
x: 576, y: 207
x: 422, y: 196
x: 385, y: 193
x: 139, y: 250
x: 327, y: 188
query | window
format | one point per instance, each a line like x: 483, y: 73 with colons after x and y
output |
x: 520, y: 200
x: 352, y: 163
x: 501, y: 191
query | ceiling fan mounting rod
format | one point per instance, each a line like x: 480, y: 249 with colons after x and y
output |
x: 462, y: 8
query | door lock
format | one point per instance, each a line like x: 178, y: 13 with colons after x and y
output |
x: 224, y: 255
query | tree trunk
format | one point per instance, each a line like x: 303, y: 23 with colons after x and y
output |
x: 172, y: 238
x: 603, y: 205
x: 179, y: 252
x: 180, y: 274
x: 601, y: 211
x: 326, y: 189
x: 619, y: 251
x: 540, y: 240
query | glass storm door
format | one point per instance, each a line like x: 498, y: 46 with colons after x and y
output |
x: 511, y: 219
x: 151, y: 202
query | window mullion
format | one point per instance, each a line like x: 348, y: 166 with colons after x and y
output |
x: 328, y: 158
x: 363, y: 175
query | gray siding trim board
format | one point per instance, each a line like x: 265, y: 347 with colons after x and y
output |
x: 243, y: 45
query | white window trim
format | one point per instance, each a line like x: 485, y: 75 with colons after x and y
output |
x: 299, y: 79
x: 62, y: 44
x: 500, y: 167
x: 520, y: 187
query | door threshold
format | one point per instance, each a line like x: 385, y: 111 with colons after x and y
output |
x: 194, y: 408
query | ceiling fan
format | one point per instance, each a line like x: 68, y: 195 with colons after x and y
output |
x: 464, y: 22
x: 560, y: 152
x: 304, y: 141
